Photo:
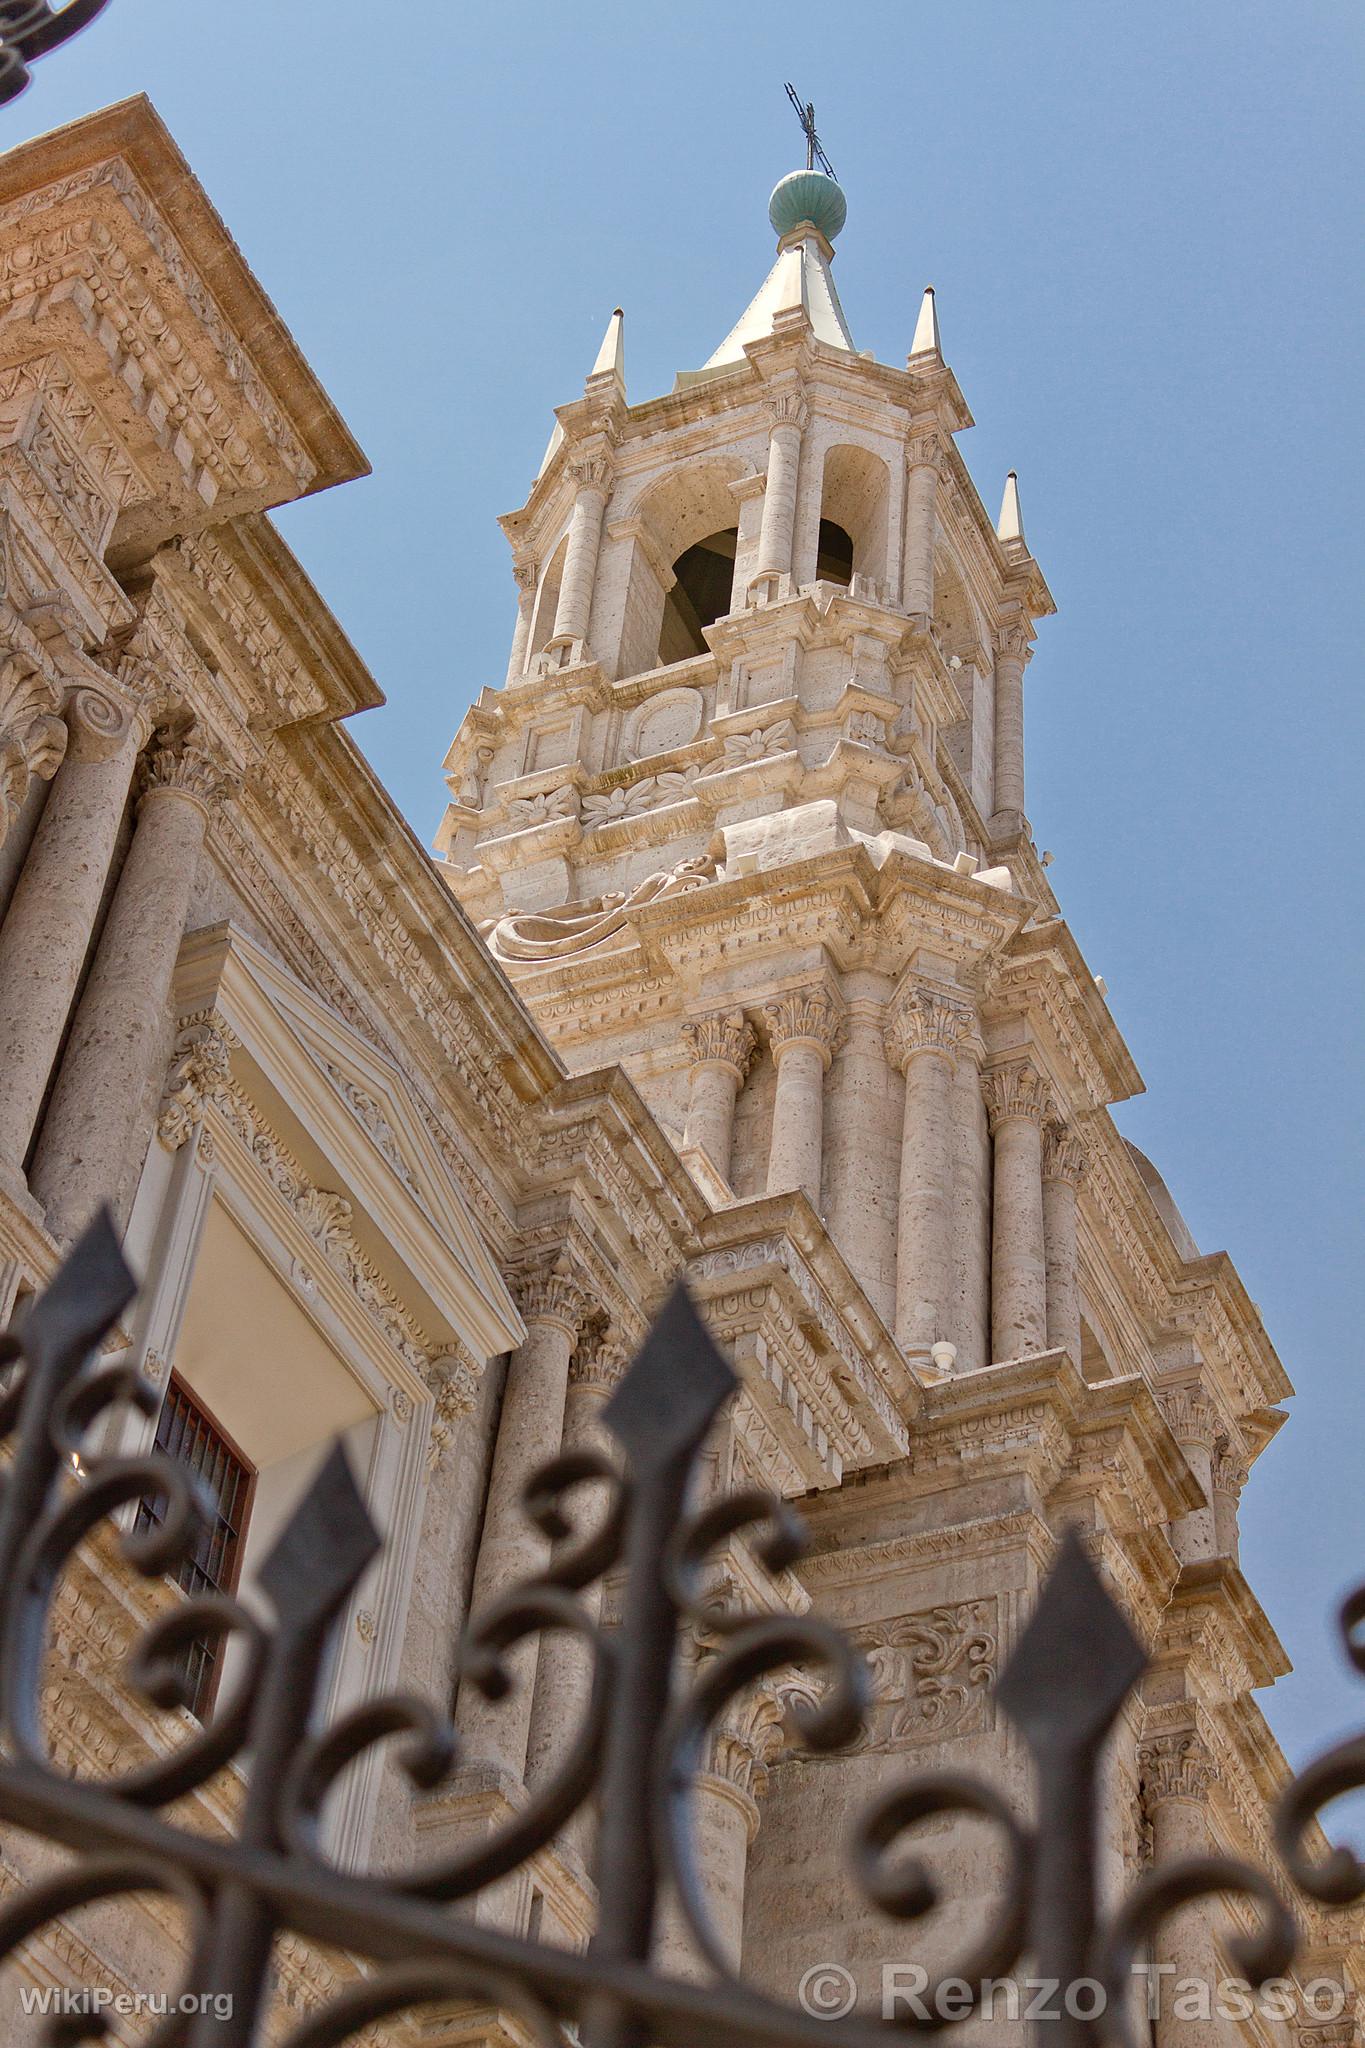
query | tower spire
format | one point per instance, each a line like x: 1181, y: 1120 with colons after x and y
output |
x: 1010, y: 525
x: 926, y: 340
x: 611, y: 356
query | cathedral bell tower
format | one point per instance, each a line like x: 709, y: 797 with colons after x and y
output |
x: 748, y: 816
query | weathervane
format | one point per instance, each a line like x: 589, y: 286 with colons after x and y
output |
x: 805, y: 114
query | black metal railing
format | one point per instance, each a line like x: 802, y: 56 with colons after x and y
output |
x: 29, y: 29
x: 640, y: 1746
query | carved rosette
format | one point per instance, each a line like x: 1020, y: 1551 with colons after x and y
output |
x: 927, y: 1022
x: 185, y: 767
x: 200, y: 1062
x: 1016, y: 1092
x: 1175, y: 1766
x: 1063, y: 1155
x: 551, y: 1295
x: 807, y: 1017
x: 724, y: 1039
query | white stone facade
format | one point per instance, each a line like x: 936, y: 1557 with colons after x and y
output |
x: 771, y: 990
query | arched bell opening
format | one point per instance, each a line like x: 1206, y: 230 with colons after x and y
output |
x: 704, y: 576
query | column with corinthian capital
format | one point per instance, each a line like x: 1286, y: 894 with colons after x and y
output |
x: 1063, y: 1167
x: 923, y: 1036
x: 787, y: 414
x: 1019, y: 1103
x: 804, y: 1031
x: 54, y: 906
x: 1011, y: 655
x: 90, y: 1131
x: 530, y: 1428
x: 722, y: 1048
x: 591, y: 477
x: 1176, y: 1774
x: 922, y: 456
x: 526, y: 574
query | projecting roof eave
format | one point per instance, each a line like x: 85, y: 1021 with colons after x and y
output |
x: 132, y: 132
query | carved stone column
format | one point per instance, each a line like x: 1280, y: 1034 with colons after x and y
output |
x: 722, y: 1048
x: 1229, y: 1477
x: 1063, y: 1166
x: 922, y: 1039
x: 47, y: 931
x: 530, y: 1429
x: 1193, y: 1423
x: 89, y: 1132
x: 725, y: 1821
x: 804, y: 1031
x: 573, y: 612
x: 525, y: 572
x: 922, y: 455
x: 1019, y: 1103
x: 561, y: 1677
x: 861, y: 1158
x: 788, y: 417
x: 1177, y: 1771
x: 1011, y: 656
x: 32, y: 743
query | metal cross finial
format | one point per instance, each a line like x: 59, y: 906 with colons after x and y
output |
x: 805, y: 114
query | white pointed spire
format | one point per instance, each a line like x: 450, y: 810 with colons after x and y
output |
x: 1010, y: 525
x: 611, y: 357
x: 926, y: 341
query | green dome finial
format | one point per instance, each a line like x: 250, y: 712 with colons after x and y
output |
x: 808, y: 196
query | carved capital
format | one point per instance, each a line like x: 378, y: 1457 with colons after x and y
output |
x: 200, y: 1061
x: 590, y: 473
x: 551, y: 1294
x: 600, y: 1366
x: 725, y: 1039
x: 806, y: 1017
x: 32, y: 735
x: 186, y: 767
x: 1230, y: 1472
x: 1016, y: 1092
x: 924, y: 450
x: 96, y: 724
x: 1190, y: 1416
x: 1013, y: 643
x: 1176, y: 1766
x: 926, y: 1022
x: 525, y: 574
x: 1063, y: 1155
x: 788, y: 409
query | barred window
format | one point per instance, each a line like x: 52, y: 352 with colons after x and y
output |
x: 186, y: 1432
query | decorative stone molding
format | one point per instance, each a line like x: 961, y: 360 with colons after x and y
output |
x: 927, y: 1022
x: 454, y: 1377
x: 932, y: 1673
x: 806, y: 1017
x: 577, y: 927
x: 1175, y: 1766
x: 1016, y: 1091
x: 199, y: 1063
x: 725, y: 1038
x: 1063, y: 1155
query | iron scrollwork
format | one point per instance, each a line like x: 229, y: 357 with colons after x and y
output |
x: 640, y: 1747
x: 30, y: 28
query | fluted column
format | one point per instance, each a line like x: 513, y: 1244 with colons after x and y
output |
x: 55, y: 903
x: 561, y: 1673
x: 788, y: 417
x: 922, y: 1039
x: 89, y: 1132
x: 573, y: 612
x: 803, y: 1029
x: 922, y: 455
x: 1018, y: 1100
x: 1063, y: 1167
x: 525, y: 572
x: 511, y: 1548
x: 722, y: 1048
x: 1011, y: 656
x: 1177, y: 1772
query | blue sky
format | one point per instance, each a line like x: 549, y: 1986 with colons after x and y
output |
x: 1143, y: 225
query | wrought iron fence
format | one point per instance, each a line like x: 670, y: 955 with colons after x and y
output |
x: 29, y: 29
x: 640, y: 1747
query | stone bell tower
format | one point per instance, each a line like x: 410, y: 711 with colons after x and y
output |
x: 748, y: 813
x: 747, y: 818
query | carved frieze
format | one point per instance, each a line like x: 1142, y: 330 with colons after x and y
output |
x: 931, y: 1673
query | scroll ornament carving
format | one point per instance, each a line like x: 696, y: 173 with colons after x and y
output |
x: 627, y: 800
x: 806, y: 1017
x: 1063, y: 1155
x: 1176, y: 1766
x: 932, y: 1673
x: 725, y: 1038
x: 97, y: 723
x: 926, y: 1022
x: 200, y: 1062
x: 1016, y: 1092
x: 759, y: 745
x: 578, y: 927
x: 474, y: 775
